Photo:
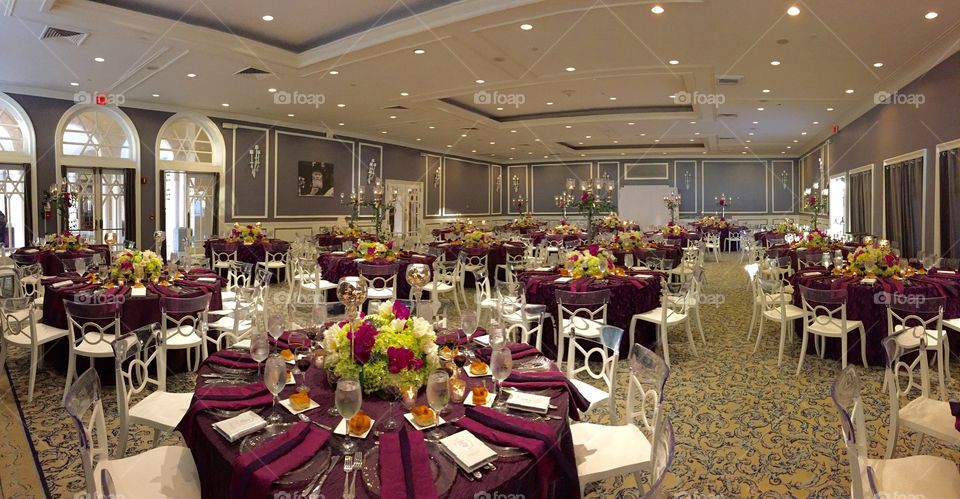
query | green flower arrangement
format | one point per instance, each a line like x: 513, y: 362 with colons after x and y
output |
x: 135, y: 264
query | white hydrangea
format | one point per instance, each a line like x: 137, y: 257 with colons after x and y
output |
x: 421, y: 327
x: 386, y: 309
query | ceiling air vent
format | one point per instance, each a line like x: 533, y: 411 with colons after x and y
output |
x: 255, y: 73
x: 52, y: 33
x: 728, y: 116
x: 729, y: 79
x: 397, y: 108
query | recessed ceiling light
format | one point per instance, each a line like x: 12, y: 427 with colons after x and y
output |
x: 756, y: 122
x: 571, y: 69
x: 656, y: 9
x: 803, y: 133
x: 267, y: 18
x: 99, y: 59
x: 383, y: 131
x: 693, y: 122
x: 829, y: 109
x: 513, y: 131
x: 774, y: 63
x: 616, y: 141
x: 643, y: 135
x: 191, y: 75
x: 291, y: 115
x: 341, y: 105
x: 549, y: 103
x: 656, y: 140
x: 631, y: 123
x: 74, y: 84
x: 795, y: 140
x: 463, y: 135
x: 492, y: 142
x: 789, y: 147
x: 743, y: 152
x: 536, y: 140
x: 783, y: 152
x: 419, y: 139
x: 431, y: 127
x: 766, y: 90
x: 751, y: 134
x: 793, y: 10
x: 747, y: 141
x: 481, y: 81
x: 931, y: 15
x: 334, y: 72
x: 580, y: 143
x: 613, y: 98
x: 473, y: 150
x: 878, y: 64
x: 341, y: 124
x: 449, y: 145
x: 526, y: 27
x: 759, y: 109
x: 419, y: 51
x: 691, y: 140
x: 589, y: 136
x: 849, y: 90
x: 568, y: 126
x: 816, y: 122
x: 696, y: 133
x: 271, y: 90
x: 674, y: 62
x: 156, y: 95
x: 225, y: 104
x: 499, y: 109
x: 403, y: 94
x: 393, y: 117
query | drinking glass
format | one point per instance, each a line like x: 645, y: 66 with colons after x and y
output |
x: 468, y: 322
x: 259, y: 348
x: 275, y: 377
x: 501, y: 363
x: 319, y: 316
x: 438, y: 395
x: 275, y: 326
x: 348, y: 400
x: 302, y: 351
x: 393, y: 393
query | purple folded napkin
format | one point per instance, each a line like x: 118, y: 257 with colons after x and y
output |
x: 581, y: 284
x: 229, y: 398
x: 843, y: 282
x: 955, y: 411
x: 282, y: 342
x: 115, y: 291
x: 54, y: 280
x: 541, y: 380
x: 162, y: 290
x: 79, y: 287
x: 539, y: 439
x: 233, y: 359
x: 206, y: 286
x: 459, y: 337
x: 890, y: 285
x: 517, y: 351
x: 255, y: 471
x: 405, y: 466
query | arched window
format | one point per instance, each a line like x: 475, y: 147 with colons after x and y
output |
x: 190, y: 153
x: 98, y: 155
x: 16, y: 160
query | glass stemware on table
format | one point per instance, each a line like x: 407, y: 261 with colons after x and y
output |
x: 275, y: 324
x: 303, y: 357
x: 275, y: 377
x: 438, y: 396
x: 501, y: 363
x: 468, y: 322
x: 348, y: 399
x: 259, y: 349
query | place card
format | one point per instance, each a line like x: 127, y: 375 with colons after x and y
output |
x: 206, y: 279
x: 61, y: 284
x: 543, y: 269
x: 31, y: 250
x: 286, y: 405
x: 643, y: 276
x: 410, y: 419
x: 529, y: 402
x: 240, y: 426
x: 946, y: 272
x: 341, y: 429
x: 338, y: 252
x: 359, y: 260
x: 868, y: 280
x: 637, y: 269
x: 468, y: 451
x: 483, y: 340
x: 562, y: 280
x: 138, y: 291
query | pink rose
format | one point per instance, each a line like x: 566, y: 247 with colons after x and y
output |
x: 594, y: 249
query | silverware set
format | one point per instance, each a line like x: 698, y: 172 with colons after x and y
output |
x: 312, y: 490
x: 351, y: 464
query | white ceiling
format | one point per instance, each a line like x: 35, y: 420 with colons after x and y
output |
x: 620, y: 49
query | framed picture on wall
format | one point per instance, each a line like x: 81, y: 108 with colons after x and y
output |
x: 315, y: 179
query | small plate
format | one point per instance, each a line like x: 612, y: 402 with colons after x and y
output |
x: 341, y: 429
x: 417, y: 426
x: 491, y: 397
x: 338, y: 252
x: 444, y: 470
x: 286, y: 405
x: 466, y: 369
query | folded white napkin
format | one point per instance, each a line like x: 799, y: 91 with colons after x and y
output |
x: 529, y: 402
x: 240, y: 425
x: 467, y: 450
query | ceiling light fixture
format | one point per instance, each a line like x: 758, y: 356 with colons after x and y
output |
x: 693, y: 122
x: 419, y: 51
x: 393, y: 117
x: 878, y: 64
x: 156, y: 95
x: 513, y: 131
x: 570, y: 69
x: 766, y: 90
x: 931, y: 15
x: 849, y: 90
x: 631, y: 123
x: 334, y: 72
x: 656, y: 9
x: 673, y: 62
x: 793, y: 11
x: 403, y: 94
x: 419, y: 139
x: 191, y: 75
x: 816, y: 122
x: 829, y: 109
x: 613, y: 98
x: 341, y: 124
x: 759, y: 109
x: 803, y: 133
x: 290, y: 115
x: 756, y: 122
x: 568, y: 126
x: 267, y: 18
x: 526, y: 27
x: 431, y: 127
x: 225, y: 104
x: 74, y: 84
x: 341, y: 105
x: 99, y: 59
x: 774, y: 63
x: 481, y: 82
x: 549, y: 103
x: 271, y: 90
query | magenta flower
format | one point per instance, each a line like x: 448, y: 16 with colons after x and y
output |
x: 574, y: 257
x: 363, y: 341
x: 399, y: 359
x: 584, y: 197
x: 594, y: 249
x: 371, y: 250
x: 390, y: 245
x: 400, y: 311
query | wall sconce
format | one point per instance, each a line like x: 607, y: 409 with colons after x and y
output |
x: 782, y: 176
x: 436, y: 177
x: 371, y: 171
x: 515, y: 183
x: 499, y: 181
x: 687, y: 178
x: 254, y: 160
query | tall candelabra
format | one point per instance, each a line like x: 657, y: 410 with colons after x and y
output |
x: 596, y: 196
x: 563, y: 200
x: 381, y: 205
x: 816, y: 202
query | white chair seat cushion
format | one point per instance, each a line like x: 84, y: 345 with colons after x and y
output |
x: 158, y: 473
x: 379, y: 294
x: 792, y: 312
x: 272, y: 265
x: 438, y: 287
x: 222, y: 265
x: 226, y: 324
x: 656, y: 316
x: 602, y: 451
x: 910, y: 338
x: 185, y: 337
x: 45, y: 334
x: 228, y: 296
x: 102, y: 347
x: 162, y: 410
x: 932, y: 417
x: 593, y: 394
x: 583, y: 327
x: 952, y: 324
x: 322, y: 286
x: 914, y: 476
x: 833, y: 327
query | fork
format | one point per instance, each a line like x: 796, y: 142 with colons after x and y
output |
x: 303, y: 417
x: 347, y: 468
x: 357, y: 464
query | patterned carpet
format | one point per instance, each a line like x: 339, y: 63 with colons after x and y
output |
x: 745, y: 428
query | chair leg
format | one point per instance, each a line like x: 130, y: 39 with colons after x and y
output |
x: 894, y: 433
x: 693, y: 344
x: 783, y: 334
x: 863, y: 347
x: 756, y: 346
x: 156, y: 437
x: 34, y: 358
x: 703, y: 338
x: 753, y: 321
x: 71, y: 371
x: 843, y: 351
x: 916, y: 450
x: 803, y: 351
x: 662, y: 338
x: 940, y: 362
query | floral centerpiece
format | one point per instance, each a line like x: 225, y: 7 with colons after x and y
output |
x: 673, y: 229
x: 461, y: 226
x: 816, y: 239
x: 611, y: 221
x: 248, y: 234
x: 879, y: 261
x: 64, y: 242
x: 564, y: 228
x: 374, y: 250
x: 713, y: 221
x: 134, y: 265
x: 593, y: 262
x: 628, y: 240
x: 787, y: 226
x: 347, y: 232
x: 525, y: 222
x: 477, y: 239
x: 389, y: 348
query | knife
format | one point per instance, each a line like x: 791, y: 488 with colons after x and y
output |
x: 315, y: 491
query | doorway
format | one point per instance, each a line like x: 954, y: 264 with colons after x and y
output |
x: 408, y: 217
x: 101, y: 202
x: 189, y: 208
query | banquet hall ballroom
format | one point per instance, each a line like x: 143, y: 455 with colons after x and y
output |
x: 499, y: 249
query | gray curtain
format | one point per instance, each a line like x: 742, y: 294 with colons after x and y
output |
x: 903, y: 183
x: 949, y: 204
x: 861, y: 202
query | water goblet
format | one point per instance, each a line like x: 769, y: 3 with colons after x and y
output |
x: 259, y: 348
x: 468, y: 323
x: 275, y: 377
x: 501, y: 363
x: 438, y: 396
x: 348, y: 399
x: 275, y: 327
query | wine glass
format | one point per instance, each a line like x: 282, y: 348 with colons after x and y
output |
x: 501, y: 363
x: 275, y: 377
x: 319, y: 316
x: 275, y: 327
x: 348, y: 400
x: 393, y: 393
x: 468, y: 322
x: 438, y: 395
x: 304, y: 358
x: 259, y: 348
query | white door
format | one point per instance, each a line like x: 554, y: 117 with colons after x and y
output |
x: 409, y: 215
x: 838, y: 206
x: 100, y: 205
x: 13, y: 203
x: 189, y: 204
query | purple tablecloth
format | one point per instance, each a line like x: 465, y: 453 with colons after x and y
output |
x: 496, y: 255
x: 215, y: 456
x: 49, y: 260
x: 863, y: 305
x: 539, y: 237
x: 333, y: 267
x: 628, y: 296
x: 328, y: 240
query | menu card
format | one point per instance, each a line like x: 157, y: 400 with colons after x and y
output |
x: 529, y: 402
x: 240, y: 425
x: 61, y: 284
x: 468, y: 451
x: 206, y: 279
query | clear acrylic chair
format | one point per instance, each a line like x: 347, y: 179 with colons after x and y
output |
x: 381, y: 280
x: 184, y: 327
x: 664, y: 446
x: 825, y: 316
x: 580, y: 313
x: 275, y: 261
x: 922, y: 318
x: 21, y: 328
x: 470, y: 263
x: 914, y: 476
x: 444, y: 282
x: 168, y: 471
x: 92, y: 328
x: 624, y: 446
x: 600, y: 358
x: 307, y: 281
x: 923, y: 414
x: 137, y: 363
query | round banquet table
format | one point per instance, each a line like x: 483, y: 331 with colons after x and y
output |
x: 496, y: 255
x: 684, y: 238
x: 253, y: 253
x: 539, y: 237
x: 673, y: 254
x: 628, y: 296
x: 337, y: 264
x: 214, y: 455
x: 50, y: 260
x: 330, y: 240
x: 863, y: 305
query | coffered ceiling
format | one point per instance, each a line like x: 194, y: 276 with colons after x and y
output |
x: 508, y: 80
